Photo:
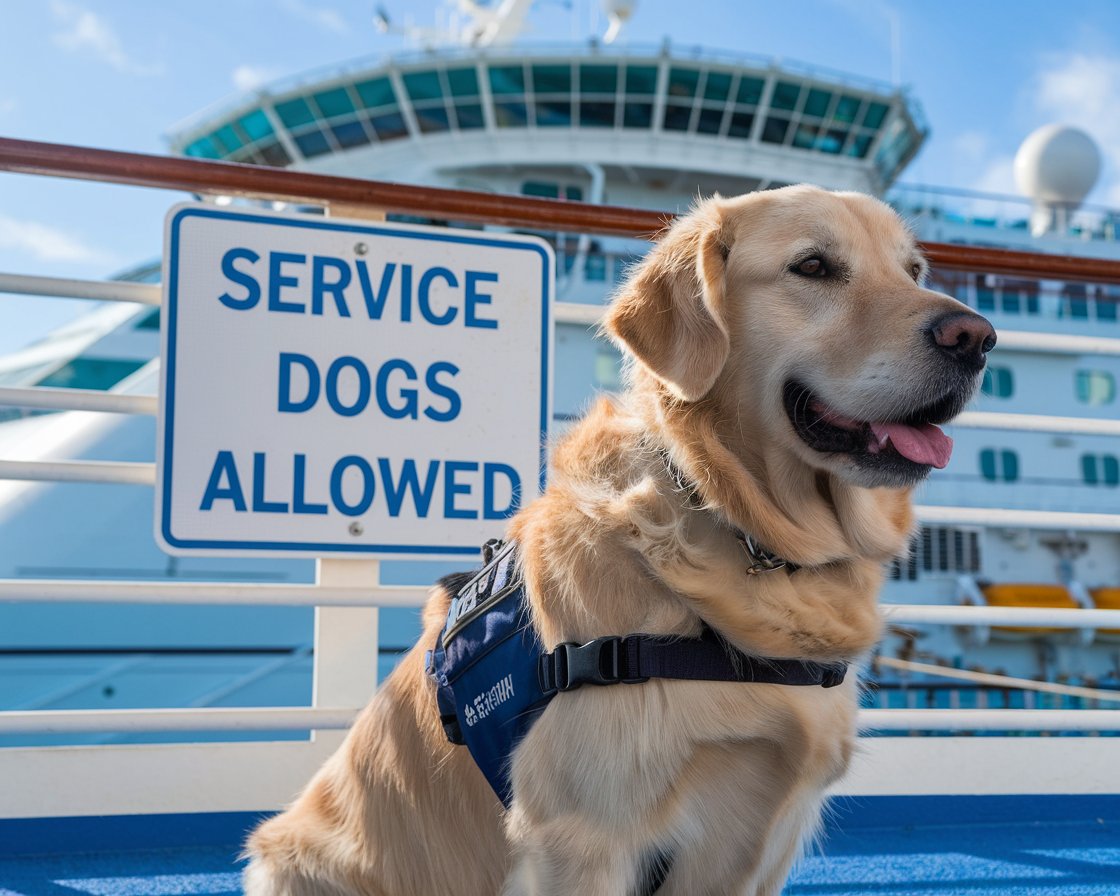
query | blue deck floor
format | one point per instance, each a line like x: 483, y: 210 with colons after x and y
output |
x: 946, y: 846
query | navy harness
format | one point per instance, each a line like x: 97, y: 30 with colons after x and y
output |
x: 494, y: 676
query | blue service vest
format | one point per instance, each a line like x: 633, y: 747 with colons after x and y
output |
x: 486, y: 668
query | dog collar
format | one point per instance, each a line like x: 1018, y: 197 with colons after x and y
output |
x: 760, y: 560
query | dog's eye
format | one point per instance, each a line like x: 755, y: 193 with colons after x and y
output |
x: 916, y: 271
x: 812, y: 267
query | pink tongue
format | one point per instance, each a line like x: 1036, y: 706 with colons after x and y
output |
x: 924, y: 444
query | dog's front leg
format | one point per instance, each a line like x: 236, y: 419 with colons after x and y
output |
x: 564, y: 857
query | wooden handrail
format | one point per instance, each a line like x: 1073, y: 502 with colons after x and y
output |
x: 258, y: 182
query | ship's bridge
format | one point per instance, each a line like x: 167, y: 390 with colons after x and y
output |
x: 733, y: 121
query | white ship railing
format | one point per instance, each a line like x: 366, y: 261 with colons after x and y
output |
x: 262, y: 775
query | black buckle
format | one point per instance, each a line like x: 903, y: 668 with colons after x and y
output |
x: 833, y: 675
x: 572, y: 665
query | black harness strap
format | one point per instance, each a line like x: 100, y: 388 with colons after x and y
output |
x: 636, y: 658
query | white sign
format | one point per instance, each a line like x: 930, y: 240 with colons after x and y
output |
x: 348, y: 388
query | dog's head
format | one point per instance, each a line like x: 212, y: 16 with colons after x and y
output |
x: 800, y: 314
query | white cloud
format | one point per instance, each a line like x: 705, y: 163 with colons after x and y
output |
x: 250, y: 77
x: 318, y: 14
x: 1080, y: 88
x: 85, y: 31
x: 46, y: 243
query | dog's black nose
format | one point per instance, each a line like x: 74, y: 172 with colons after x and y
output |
x: 965, y: 336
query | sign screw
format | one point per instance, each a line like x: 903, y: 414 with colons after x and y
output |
x: 361, y: 249
x: 356, y: 528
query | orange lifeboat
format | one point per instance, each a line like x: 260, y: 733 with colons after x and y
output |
x: 1026, y: 595
x: 1107, y: 599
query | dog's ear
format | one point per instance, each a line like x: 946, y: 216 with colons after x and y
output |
x: 669, y: 314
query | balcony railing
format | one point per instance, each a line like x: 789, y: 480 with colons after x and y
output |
x: 259, y: 776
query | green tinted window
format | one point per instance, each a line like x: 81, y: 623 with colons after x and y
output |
x: 91, y: 373
x: 554, y: 113
x: 462, y: 81
x: 598, y: 78
x: 741, y: 124
x: 255, y: 124
x: 423, y: 85
x: 637, y: 115
x: 552, y: 78
x: 817, y: 102
x: 750, y: 91
x: 149, y: 321
x: 541, y: 189
x: 389, y: 126
x: 596, y: 115
x: 859, y: 146
x: 774, y: 130
x: 507, y: 79
x: 717, y: 86
x: 378, y: 92
x: 203, y: 148
x: 785, y: 95
x: 229, y: 138
x: 510, y: 114
x: 334, y: 103
x: 469, y: 116
x: 1100, y: 469
x: 295, y: 112
x: 313, y: 143
x: 874, y: 115
x: 846, y: 108
x: 998, y: 382
x: 1095, y: 387
x: 999, y: 466
x: 272, y: 153
x: 641, y: 79
x: 349, y: 133
x: 683, y: 82
x: 805, y: 136
x: 832, y: 141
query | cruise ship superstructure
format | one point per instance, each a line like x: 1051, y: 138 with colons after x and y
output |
x: 594, y: 123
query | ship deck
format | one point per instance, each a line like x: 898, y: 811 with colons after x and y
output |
x: 888, y: 846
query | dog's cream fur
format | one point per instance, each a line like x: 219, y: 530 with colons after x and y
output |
x: 728, y: 777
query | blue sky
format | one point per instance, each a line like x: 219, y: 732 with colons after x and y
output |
x: 120, y: 74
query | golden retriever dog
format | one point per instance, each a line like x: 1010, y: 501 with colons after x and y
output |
x: 787, y: 372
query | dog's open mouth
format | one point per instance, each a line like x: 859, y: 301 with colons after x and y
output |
x: 909, y: 446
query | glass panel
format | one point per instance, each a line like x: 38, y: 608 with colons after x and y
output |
x: 149, y: 321
x: 875, y: 114
x: 1095, y: 387
x: 710, y: 121
x: 1010, y: 465
x: 988, y: 464
x: 349, y: 133
x: 595, y: 268
x: 741, y: 123
x: 505, y: 79
x: 598, y: 78
x: 677, y: 117
x: 255, y: 124
x: 717, y: 86
x: 423, y: 86
x: 295, y: 112
x: 750, y: 91
x: 596, y: 115
x: 554, y: 113
x: 469, y: 116
x: 832, y: 141
x: 552, y: 78
x: 1005, y: 382
x: 641, y: 79
x: 313, y: 143
x: 985, y: 298
x: 1089, y: 468
x: 432, y: 119
x: 462, y: 81
x: 540, y: 188
x: 774, y: 130
x: 573, y: 194
x: 1012, y: 302
x: 1111, y: 469
x: 510, y: 114
x: 389, y: 126
x: 274, y: 154
x: 805, y: 136
x: 1106, y: 307
x: 785, y: 95
x: 226, y: 136
x: 637, y: 115
x: 91, y: 373
x: 683, y: 82
x: 817, y: 102
x: 203, y: 148
x: 335, y: 102
x: 378, y: 92
x: 859, y: 146
x: 846, y: 108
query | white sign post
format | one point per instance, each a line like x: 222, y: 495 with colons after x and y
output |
x: 343, y: 388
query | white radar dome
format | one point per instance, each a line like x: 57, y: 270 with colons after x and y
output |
x: 1057, y: 165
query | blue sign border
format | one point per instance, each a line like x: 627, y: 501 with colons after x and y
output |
x: 170, y: 321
